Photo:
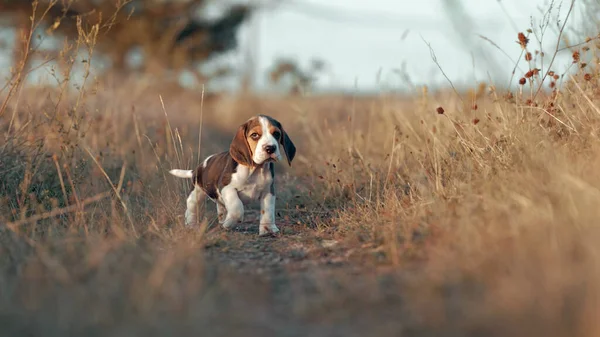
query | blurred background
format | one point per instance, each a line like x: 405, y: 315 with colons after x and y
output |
x: 272, y: 46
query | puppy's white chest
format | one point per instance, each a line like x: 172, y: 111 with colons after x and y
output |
x: 255, y: 186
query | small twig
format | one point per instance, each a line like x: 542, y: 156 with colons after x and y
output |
x: 200, y: 140
x: 301, y: 211
x: 200, y: 124
x: 558, y: 120
x: 516, y: 63
x: 115, y: 190
x: 580, y: 43
x: 387, y: 176
x: 500, y: 49
x: 596, y: 109
x: 60, y: 179
x: 170, y: 130
x: 560, y: 32
x: 434, y: 58
x: 55, y: 212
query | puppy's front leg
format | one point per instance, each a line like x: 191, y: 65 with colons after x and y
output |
x: 267, y: 215
x: 234, y: 207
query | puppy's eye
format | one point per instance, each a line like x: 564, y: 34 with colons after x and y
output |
x: 276, y: 134
x: 255, y: 136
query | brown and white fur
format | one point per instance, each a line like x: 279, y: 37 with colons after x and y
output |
x: 241, y: 175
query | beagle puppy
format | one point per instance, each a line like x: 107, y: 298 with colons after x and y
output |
x: 241, y: 175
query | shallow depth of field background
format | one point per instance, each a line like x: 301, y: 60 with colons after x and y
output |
x: 445, y: 183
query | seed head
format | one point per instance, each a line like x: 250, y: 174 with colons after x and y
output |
x: 475, y: 121
x: 523, y: 40
x: 522, y: 81
x: 576, y: 56
x: 528, y: 56
x: 529, y: 74
x: 531, y: 103
x: 474, y: 107
x: 440, y: 110
x: 552, y: 84
x: 587, y: 77
x: 556, y: 77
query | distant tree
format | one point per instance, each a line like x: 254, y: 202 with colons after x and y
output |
x: 172, y: 35
x: 298, y: 79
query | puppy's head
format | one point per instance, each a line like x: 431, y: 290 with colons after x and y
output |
x: 261, y: 139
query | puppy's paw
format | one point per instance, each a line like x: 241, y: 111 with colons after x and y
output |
x: 267, y: 229
x: 230, y: 223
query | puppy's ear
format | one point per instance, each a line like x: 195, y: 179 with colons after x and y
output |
x: 239, y: 148
x: 288, y: 146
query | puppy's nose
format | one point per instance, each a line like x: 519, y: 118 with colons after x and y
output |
x: 270, y: 149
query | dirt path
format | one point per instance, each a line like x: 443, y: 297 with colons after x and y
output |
x: 300, y: 284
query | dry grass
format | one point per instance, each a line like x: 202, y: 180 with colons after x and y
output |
x: 430, y: 215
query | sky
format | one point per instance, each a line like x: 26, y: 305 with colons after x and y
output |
x: 360, y: 39
x: 367, y: 45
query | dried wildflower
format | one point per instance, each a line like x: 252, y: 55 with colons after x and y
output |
x: 556, y: 77
x: 551, y: 73
x: 528, y: 56
x: 440, y: 110
x: 529, y: 74
x: 475, y: 121
x: 587, y: 77
x: 535, y: 71
x: 576, y: 56
x: 531, y: 103
x: 552, y: 84
x: 522, y: 81
x: 523, y: 40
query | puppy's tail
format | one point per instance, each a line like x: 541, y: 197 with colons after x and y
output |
x: 182, y: 173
